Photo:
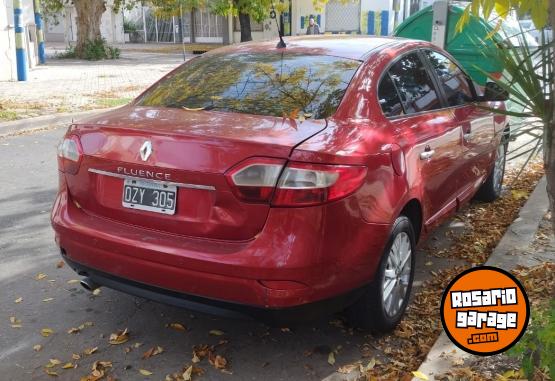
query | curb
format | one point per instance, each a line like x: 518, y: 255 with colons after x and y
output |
x: 44, y: 122
x: 517, y: 237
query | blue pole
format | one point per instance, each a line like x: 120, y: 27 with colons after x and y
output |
x: 40, y: 33
x: 20, y: 54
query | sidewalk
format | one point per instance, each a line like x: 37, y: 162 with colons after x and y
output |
x: 69, y: 85
x: 518, y: 247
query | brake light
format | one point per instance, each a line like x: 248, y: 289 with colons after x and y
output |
x: 254, y: 179
x: 298, y: 184
x: 70, y: 154
x: 304, y: 184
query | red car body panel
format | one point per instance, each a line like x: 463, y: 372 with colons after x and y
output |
x: 219, y: 247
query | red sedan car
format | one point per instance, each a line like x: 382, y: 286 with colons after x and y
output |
x: 279, y: 181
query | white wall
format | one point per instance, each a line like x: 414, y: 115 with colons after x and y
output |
x: 7, y: 42
x: 8, y: 65
x: 269, y: 32
x: 111, y: 26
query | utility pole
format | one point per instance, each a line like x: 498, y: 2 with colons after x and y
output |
x: 20, y: 54
x: 40, y: 33
x: 439, y: 23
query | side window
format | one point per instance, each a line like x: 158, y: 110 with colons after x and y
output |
x: 389, y: 98
x: 414, y: 85
x: 453, y: 80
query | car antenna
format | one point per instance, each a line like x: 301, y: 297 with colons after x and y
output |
x: 281, y: 44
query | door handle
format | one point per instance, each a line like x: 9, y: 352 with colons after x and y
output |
x: 467, y: 136
x: 427, y: 154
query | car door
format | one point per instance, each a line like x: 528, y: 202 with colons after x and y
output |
x: 423, y: 128
x: 477, y: 124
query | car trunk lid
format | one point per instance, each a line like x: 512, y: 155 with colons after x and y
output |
x: 189, y: 149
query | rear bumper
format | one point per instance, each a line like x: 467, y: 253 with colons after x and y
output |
x: 302, y: 256
x: 309, y: 311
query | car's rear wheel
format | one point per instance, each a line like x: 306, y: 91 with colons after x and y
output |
x: 382, y: 305
x: 491, y: 189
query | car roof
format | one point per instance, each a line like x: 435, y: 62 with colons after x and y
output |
x: 346, y: 46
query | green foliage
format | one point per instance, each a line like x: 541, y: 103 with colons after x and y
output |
x: 7, y: 115
x: 93, y: 51
x: 528, y: 79
x: 538, y: 10
x: 68, y: 53
x: 129, y: 26
x: 113, y: 102
x: 537, y: 346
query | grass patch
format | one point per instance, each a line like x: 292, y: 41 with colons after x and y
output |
x: 6, y: 115
x: 112, y: 102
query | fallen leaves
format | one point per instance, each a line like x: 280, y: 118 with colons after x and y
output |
x: 78, y: 329
x: 45, y: 332
x: 99, y: 369
x: 15, y: 322
x: 119, y: 337
x: 331, y: 358
x: 216, y: 332
x: 204, y: 351
x: 18, y: 300
x: 217, y: 361
x: 37, y: 348
x: 40, y: 276
x: 60, y: 264
x: 90, y: 351
x: 145, y: 372
x: 153, y: 352
x: 419, y: 375
x: 484, y: 224
x: 176, y: 326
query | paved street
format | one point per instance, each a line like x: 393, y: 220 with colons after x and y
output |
x: 254, y: 351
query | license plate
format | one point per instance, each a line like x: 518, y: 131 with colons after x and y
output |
x: 149, y: 195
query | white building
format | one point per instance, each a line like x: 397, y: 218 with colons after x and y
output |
x: 63, y: 27
x: 8, y: 65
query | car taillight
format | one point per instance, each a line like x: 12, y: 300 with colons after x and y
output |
x: 70, y: 153
x: 304, y: 184
x: 254, y: 179
x: 298, y: 184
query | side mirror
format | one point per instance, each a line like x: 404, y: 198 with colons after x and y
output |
x: 494, y: 92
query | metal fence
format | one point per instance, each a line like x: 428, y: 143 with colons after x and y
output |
x: 208, y: 27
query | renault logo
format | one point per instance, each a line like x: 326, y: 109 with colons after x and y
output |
x: 146, y: 150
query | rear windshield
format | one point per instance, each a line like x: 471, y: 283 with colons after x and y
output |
x: 276, y: 84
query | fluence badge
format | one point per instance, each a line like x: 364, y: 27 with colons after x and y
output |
x: 485, y: 310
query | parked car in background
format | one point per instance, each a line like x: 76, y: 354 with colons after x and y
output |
x: 280, y: 182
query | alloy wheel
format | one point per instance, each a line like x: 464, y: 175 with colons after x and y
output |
x: 499, y: 168
x: 397, y: 273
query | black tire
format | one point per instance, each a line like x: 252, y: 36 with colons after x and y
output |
x: 369, y: 312
x: 492, y: 187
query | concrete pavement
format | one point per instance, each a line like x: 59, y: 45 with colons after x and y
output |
x: 69, y: 85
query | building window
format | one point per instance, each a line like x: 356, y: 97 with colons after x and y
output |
x: 255, y: 26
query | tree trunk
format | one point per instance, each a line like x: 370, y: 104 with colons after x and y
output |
x: 549, y: 136
x: 89, y: 13
x: 245, y: 22
x: 193, y: 34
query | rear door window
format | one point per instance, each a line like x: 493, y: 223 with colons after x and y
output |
x: 261, y: 83
x: 388, y: 97
x: 453, y: 80
x: 414, y: 85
